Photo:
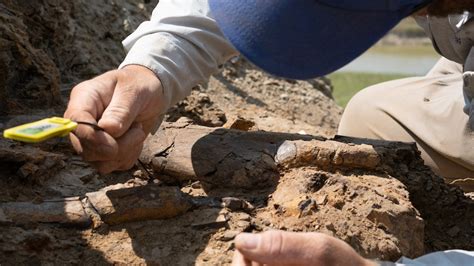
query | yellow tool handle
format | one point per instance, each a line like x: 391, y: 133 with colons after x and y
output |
x: 41, y: 130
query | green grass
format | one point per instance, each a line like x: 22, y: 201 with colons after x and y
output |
x: 347, y: 84
x: 405, y: 50
x: 408, y: 27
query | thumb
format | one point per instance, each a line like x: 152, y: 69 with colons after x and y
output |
x: 278, y: 247
x: 121, y: 112
x: 93, y: 145
x: 288, y: 248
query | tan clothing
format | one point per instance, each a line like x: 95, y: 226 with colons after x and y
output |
x: 426, y: 110
x: 432, y: 111
x: 453, y: 38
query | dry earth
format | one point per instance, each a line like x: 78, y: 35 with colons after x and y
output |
x: 236, y: 162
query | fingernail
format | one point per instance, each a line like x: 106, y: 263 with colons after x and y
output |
x: 110, y: 120
x: 247, y: 241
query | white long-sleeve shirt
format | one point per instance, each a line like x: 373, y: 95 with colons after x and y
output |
x: 182, y: 44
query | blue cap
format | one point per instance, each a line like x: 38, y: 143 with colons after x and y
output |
x: 303, y: 39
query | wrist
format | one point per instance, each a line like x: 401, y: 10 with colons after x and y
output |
x: 144, y: 76
x: 154, y: 104
x: 143, y: 72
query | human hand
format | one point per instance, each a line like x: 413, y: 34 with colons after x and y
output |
x: 287, y: 248
x: 127, y: 104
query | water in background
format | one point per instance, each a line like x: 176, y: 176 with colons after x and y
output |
x: 386, y: 63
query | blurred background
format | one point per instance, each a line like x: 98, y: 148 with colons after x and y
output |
x: 405, y: 52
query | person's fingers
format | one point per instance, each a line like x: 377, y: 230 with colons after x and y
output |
x: 137, y: 96
x: 92, y: 96
x: 91, y: 144
x: 114, y: 101
x: 239, y: 260
x: 288, y: 248
x: 125, y: 105
x: 94, y: 145
x: 269, y: 247
x: 87, y: 102
x: 130, y: 146
x: 278, y: 247
x: 121, y: 112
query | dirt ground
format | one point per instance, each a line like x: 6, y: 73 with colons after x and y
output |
x: 247, y: 153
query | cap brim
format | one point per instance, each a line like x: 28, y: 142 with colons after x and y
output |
x: 299, y: 39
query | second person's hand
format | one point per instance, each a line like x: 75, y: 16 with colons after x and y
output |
x: 127, y: 104
x: 289, y: 248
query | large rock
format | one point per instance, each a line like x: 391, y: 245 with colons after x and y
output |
x: 376, y: 195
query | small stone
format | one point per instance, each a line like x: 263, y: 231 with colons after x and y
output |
x: 376, y: 206
x: 241, y: 216
x: 138, y: 174
x: 210, y: 225
x: 87, y: 178
x: 223, y: 217
x: 321, y: 199
x: 330, y: 226
x: 158, y: 164
x: 243, y: 225
x: 139, y: 181
x: 27, y: 169
x: 286, y: 152
x: 184, y: 121
x: 454, y: 231
x: 307, y: 207
x: 236, y: 204
x: 204, y: 98
x: 232, y: 203
x: 229, y: 235
x: 240, y: 123
x: 196, y: 185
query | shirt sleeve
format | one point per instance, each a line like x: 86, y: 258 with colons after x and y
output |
x: 181, y: 44
x: 445, y: 258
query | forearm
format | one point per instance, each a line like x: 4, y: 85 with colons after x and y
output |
x: 181, y: 44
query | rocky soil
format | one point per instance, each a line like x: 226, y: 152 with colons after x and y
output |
x: 203, y: 185
x: 48, y: 45
x: 247, y: 153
